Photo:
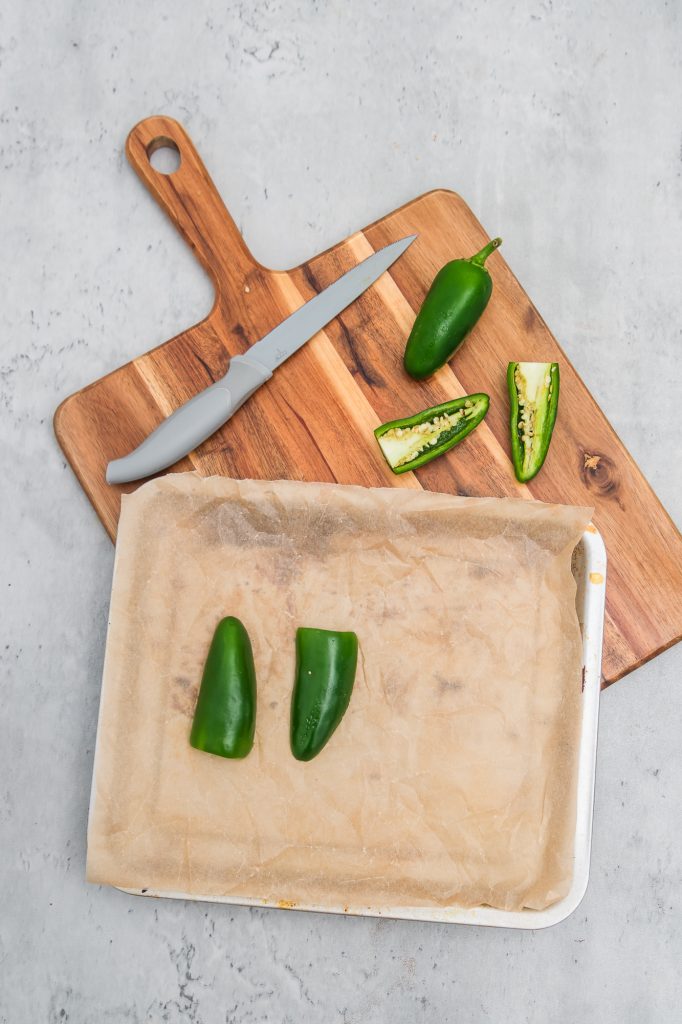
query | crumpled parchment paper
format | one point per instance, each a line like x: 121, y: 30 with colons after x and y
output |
x: 451, y: 779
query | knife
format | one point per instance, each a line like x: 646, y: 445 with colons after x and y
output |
x: 190, y: 424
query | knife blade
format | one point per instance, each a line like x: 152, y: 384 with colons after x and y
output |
x: 190, y: 424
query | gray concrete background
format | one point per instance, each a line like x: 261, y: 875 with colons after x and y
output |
x: 561, y: 124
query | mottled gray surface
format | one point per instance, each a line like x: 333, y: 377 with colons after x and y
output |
x: 561, y: 124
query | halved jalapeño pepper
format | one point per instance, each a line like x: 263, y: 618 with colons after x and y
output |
x: 534, y: 399
x: 325, y: 673
x: 411, y: 442
x: 225, y: 715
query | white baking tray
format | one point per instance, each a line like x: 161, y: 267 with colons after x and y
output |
x: 589, y: 568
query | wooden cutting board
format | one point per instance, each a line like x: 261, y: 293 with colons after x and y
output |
x: 314, y: 419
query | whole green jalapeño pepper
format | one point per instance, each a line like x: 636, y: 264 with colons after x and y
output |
x: 454, y: 302
x: 534, y: 400
x: 225, y: 715
x: 325, y: 673
x: 409, y: 443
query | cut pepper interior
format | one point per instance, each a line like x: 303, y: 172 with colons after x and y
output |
x: 415, y: 440
x: 534, y: 400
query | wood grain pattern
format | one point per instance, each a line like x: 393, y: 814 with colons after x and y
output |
x: 314, y: 419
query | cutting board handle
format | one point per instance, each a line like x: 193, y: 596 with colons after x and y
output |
x: 192, y: 201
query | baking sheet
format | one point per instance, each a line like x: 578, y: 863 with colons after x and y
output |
x: 589, y: 569
x: 431, y: 793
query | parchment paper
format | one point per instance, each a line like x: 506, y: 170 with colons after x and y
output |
x: 451, y: 779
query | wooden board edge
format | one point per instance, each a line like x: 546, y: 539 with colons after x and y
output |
x: 300, y: 267
x: 606, y: 683
x: 65, y: 449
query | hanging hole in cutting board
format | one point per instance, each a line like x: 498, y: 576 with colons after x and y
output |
x: 164, y: 155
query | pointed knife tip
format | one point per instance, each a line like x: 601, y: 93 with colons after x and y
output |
x: 401, y: 244
x: 406, y: 242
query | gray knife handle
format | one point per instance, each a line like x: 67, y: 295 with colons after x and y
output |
x: 192, y: 423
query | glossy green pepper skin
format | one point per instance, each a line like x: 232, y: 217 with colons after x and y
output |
x: 225, y: 715
x: 533, y: 401
x: 325, y: 672
x: 411, y: 442
x: 453, y: 304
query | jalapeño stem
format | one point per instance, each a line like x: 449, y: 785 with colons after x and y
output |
x: 479, y: 259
